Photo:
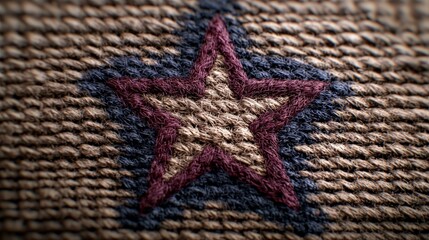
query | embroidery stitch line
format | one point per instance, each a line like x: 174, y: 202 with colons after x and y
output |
x: 264, y: 129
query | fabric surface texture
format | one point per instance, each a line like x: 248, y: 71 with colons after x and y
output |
x: 214, y: 119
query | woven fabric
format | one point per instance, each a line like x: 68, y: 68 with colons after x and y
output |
x: 214, y: 119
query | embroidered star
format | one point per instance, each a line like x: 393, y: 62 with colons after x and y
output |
x: 217, y: 118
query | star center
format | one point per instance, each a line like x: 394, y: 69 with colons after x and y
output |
x: 218, y: 119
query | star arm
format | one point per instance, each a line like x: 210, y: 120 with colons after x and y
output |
x: 301, y: 93
x: 272, y: 87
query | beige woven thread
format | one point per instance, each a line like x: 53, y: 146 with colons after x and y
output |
x: 58, y: 172
x: 370, y: 166
x: 207, y: 122
x: 59, y: 178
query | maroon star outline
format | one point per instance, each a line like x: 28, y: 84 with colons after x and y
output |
x: 275, y: 183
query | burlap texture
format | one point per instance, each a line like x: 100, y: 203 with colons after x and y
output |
x: 59, y: 174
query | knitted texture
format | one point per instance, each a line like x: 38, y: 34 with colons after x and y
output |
x: 326, y: 101
x: 233, y: 130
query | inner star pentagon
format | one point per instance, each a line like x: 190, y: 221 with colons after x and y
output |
x: 217, y: 118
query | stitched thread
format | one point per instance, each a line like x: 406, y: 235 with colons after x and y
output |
x: 75, y: 195
x: 275, y: 183
x: 218, y: 119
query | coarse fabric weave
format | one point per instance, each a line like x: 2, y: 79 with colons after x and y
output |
x: 243, y: 119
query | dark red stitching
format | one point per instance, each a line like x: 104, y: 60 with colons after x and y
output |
x: 275, y: 183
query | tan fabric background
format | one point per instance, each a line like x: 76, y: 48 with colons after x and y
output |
x: 371, y: 167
